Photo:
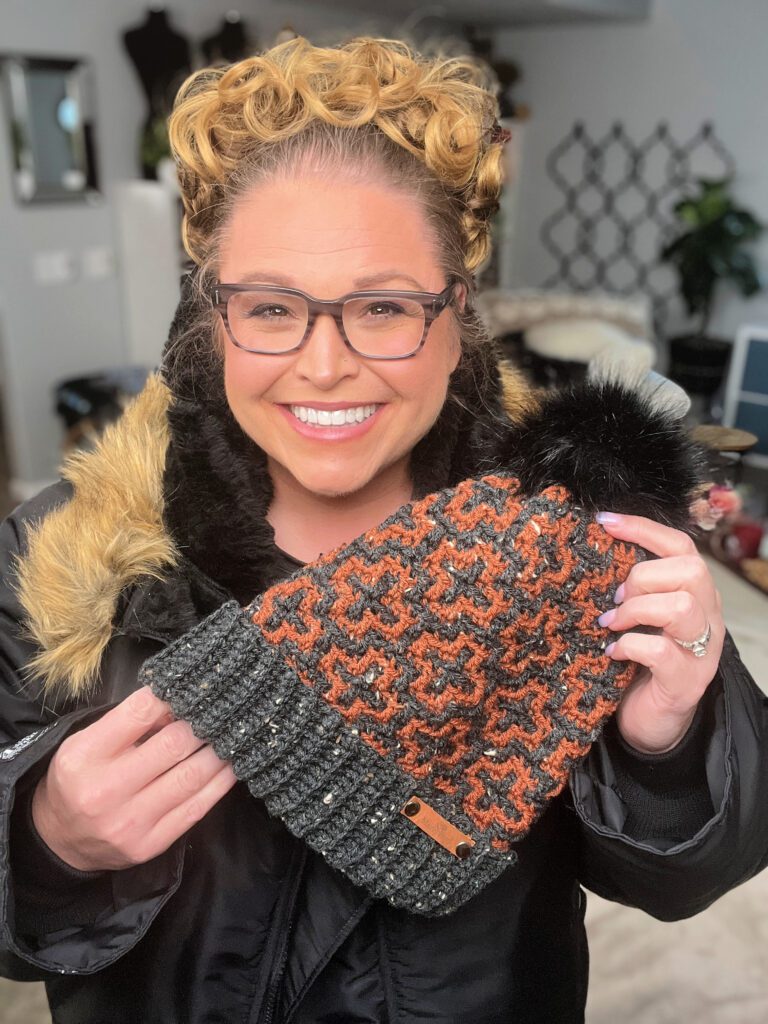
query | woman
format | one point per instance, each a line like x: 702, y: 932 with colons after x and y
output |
x: 142, y: 882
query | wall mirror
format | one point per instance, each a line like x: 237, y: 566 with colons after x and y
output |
x: 49, y: 117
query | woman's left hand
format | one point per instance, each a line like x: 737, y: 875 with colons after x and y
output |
x: 676, y: 592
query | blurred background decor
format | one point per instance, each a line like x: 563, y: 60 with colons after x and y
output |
x: 162, y: 59
x: 745, y: 401
x: 555, y: 334
x: 50, y: 122
x: 708, y: 250
x: 230, y: 43
x: 86, y: 405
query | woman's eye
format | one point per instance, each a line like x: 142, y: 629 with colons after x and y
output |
x: 383, y: 309
x: 268, y: 312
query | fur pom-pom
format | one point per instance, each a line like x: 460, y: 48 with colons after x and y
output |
x: 613, y: 450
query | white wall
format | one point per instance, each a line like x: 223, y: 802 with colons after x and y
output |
x: 56, y: 331
x: 693, y: 61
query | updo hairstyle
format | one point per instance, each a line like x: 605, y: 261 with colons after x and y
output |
x: 374, y: 108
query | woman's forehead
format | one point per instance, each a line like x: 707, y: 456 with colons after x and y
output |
x: 315, y: 224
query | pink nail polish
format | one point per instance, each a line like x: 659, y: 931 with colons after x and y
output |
x: 609, y: 649
x: 607, y: 518
x: 618, y: 597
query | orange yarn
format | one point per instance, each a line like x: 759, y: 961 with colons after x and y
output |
x: 461, y: 671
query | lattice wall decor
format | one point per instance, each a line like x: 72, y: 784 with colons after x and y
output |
x: 616, y: 211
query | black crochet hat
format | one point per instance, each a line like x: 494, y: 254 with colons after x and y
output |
x: 410, y: 703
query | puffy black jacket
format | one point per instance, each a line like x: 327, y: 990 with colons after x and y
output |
x: 240, y: 922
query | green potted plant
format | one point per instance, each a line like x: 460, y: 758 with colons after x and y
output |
x: 709, y: 249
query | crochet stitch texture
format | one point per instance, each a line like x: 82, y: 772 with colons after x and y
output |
x: 446, y: 663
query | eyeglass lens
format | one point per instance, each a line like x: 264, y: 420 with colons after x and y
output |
x: 374, y: 326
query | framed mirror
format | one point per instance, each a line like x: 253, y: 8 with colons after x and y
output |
x: 50, y: 121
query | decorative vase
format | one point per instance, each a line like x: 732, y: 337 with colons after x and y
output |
x: 698, y: 363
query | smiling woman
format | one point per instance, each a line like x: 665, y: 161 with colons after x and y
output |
x: 242, y: 788
x: 323, y: 234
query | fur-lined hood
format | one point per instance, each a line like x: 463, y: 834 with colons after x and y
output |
x: 83, y: 554
x: 112, y: 534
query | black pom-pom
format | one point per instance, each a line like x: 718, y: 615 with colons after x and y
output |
x: 612, y: 450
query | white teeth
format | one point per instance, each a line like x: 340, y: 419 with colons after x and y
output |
x: 336, y: 417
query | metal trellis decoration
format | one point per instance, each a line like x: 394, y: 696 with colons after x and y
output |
x: 616, y: 214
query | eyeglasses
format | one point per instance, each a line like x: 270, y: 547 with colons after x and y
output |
x: 268, y: 320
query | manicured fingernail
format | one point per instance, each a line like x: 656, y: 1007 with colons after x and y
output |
x: 607, y: 617
x: 609, y: 649
x: 618, y: 597
x: 608, y: 518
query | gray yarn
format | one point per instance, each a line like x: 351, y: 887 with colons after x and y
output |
x: 296, y: 753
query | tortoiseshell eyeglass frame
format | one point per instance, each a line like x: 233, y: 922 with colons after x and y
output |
x: 433, y: 304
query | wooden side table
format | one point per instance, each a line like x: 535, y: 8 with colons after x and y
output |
x: 729, y: 440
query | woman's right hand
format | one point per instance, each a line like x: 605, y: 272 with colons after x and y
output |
x: 108, y: 802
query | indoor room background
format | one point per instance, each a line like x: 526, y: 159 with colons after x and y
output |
x: 619, y: 111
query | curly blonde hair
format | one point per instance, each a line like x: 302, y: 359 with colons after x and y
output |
x: 236, y: 125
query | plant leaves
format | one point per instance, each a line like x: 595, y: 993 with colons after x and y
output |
x: 709, y: 246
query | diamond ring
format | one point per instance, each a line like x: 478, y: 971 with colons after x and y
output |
x: 699, y: 645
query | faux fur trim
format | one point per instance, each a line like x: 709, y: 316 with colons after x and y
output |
x: 83, y: 555
x: 613, y: 449
x: 519, y: 398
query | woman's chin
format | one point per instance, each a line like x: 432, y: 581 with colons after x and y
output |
x: 334, y: 479
x: 329, y: 484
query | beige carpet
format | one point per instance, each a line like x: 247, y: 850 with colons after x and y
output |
x: 710, y: 969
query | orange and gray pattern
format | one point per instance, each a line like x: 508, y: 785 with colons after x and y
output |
x: 449, y: 656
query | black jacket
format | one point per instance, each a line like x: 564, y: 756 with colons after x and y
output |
x: 239, y: 921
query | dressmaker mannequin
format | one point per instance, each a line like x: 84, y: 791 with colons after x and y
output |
x: 230, y: 43
x: 162, y: 60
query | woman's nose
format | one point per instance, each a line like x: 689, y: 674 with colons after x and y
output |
x: 325, y: 358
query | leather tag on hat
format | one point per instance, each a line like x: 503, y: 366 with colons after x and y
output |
x: 437, y: 827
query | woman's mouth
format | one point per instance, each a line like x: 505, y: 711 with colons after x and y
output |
x: 333, y: 417
x: 332, y: 424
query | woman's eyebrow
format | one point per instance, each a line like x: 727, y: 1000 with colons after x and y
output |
x: 385, y: 276
x: 367, y: 281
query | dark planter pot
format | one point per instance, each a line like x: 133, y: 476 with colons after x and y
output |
x: 697, y: 363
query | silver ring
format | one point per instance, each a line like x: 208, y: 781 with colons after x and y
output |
x: 699, y: 645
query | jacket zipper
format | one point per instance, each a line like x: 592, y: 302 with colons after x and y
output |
x: 269, y: 1003
x: 273, y: 992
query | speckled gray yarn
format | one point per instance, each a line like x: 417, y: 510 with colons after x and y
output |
x: 450, y: 653
x: 295, y: 752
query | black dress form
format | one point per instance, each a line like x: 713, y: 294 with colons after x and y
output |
x: 162, y: 60
x: 230, y: 43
